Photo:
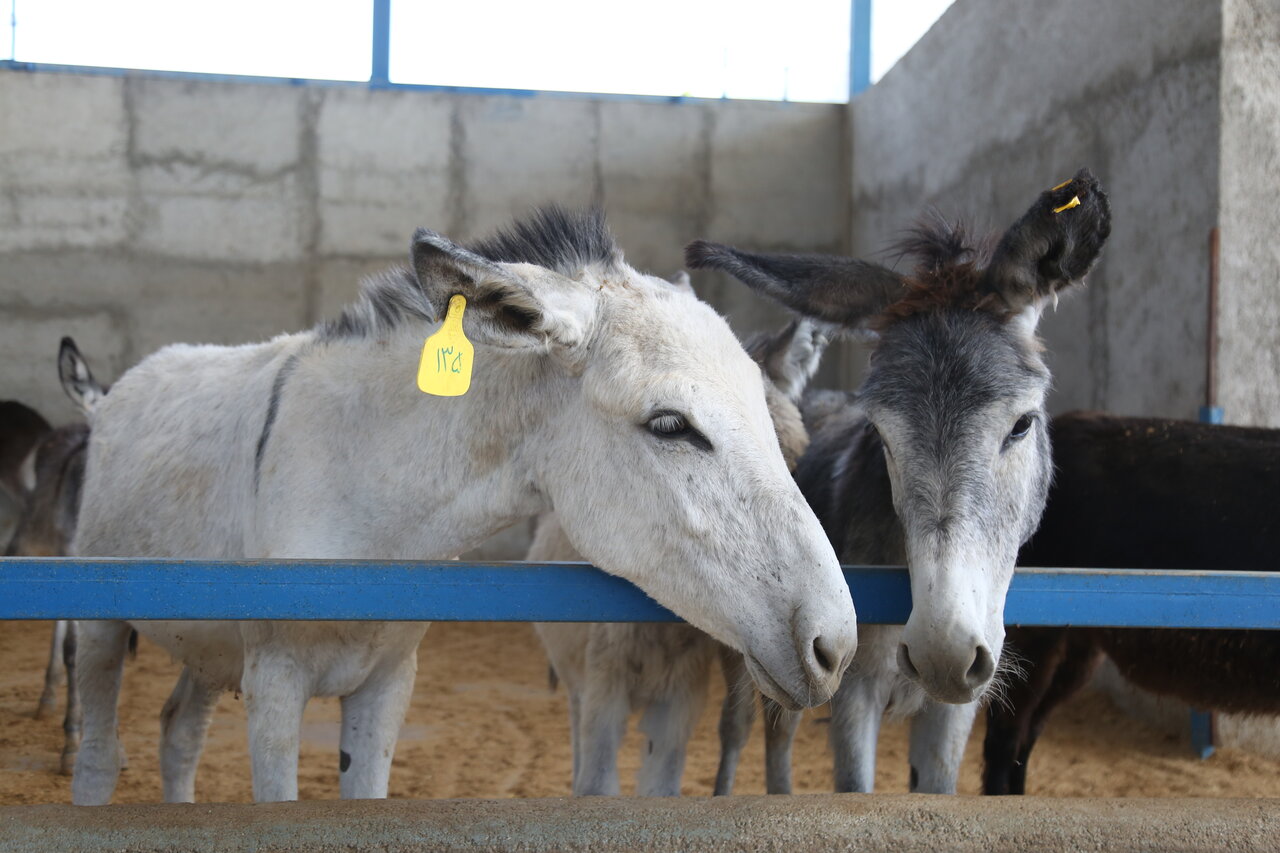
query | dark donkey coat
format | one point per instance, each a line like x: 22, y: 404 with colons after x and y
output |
x: 1147, y: 493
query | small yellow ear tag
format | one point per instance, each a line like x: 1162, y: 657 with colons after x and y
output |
x: 1061, y: 185
x: 445, y: 369
x: 1075, y: 202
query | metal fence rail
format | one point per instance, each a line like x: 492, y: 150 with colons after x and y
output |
x: 58, y: 588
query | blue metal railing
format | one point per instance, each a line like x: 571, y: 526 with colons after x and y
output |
x: 54, y: 588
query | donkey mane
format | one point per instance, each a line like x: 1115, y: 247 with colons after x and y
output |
x: 948, y: 274
x: 552, y: 237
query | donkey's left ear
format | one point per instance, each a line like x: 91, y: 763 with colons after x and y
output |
x: 1051, y: 247
x: 77, y: 379
x: 508, y: 305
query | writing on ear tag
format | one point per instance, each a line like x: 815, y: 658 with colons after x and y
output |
x: 445, y: 369
x: 1075, y: 202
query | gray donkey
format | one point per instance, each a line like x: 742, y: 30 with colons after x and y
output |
x: 620, y: 402
x: 941, y: 460
x: 663, y: 669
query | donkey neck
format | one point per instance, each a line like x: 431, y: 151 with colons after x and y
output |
x: 845, y: 478
x: 426, y: 476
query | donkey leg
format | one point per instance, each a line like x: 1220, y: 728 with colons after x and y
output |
x: 736, y: 716
x: 99, y: 664
x: 184, y: 722
x: 53, y: 672
x: 575, y: 732
x: 779, y: 733
x: 275, y: 694
x: 669, y: 724
x: 605, y: 708
x: 72, y: 721
x: 856, y: 709
x: 371, y: 721
x: 938, y: 736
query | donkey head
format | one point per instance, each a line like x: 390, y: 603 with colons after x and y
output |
x: 657, y: 451
x: 955, y: 390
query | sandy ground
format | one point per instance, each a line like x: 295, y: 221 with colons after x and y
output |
x: 484, y: 724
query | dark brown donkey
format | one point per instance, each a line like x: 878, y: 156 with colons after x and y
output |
x: 1144, y: 493
x: 53, y: 471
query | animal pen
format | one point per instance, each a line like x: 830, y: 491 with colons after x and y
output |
x: 55, y: 588
x: 141, y: 208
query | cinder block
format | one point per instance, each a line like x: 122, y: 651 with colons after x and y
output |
x: 383, y: 169
x: 776, y: 175
x: 250, y: 128
x: 523, y: 152
x: 224, y: 227
x: 653, y: 159
x: 338, y: 280
x: 63, y: 164
x: 60, y: 130
x: 195, y: 303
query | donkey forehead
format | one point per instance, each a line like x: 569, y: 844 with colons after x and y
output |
x: 669, y: 345
x: 951, y: 364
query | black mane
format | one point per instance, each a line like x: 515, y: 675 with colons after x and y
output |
x: 555, y: 238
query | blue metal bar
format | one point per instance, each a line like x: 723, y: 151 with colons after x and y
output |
x: 859, y: 47
x: 54, y: 588
x: 380, y: 75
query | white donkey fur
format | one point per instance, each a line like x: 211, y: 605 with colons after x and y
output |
x: 620, y: 402
x: 609, y: 669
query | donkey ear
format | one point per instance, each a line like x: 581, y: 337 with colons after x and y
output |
x: 1052, y: 246
x: 77, y: 379
x: 790, y: 357
x: 682, y: 282
x: 508, y: 305
x: 844, y: 291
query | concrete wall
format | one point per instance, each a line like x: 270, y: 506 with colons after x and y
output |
x: 1001, y: 100
x: 137, y: 211
x: 1249, y: 300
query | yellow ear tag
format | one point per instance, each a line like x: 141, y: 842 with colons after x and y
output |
x: 1061, y: 185
x: 1075, y: 202
x: 445, y: 369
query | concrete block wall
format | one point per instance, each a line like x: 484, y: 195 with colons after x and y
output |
x: 1249, y: 217
x: 1002, y: 100
x: 141, y: 210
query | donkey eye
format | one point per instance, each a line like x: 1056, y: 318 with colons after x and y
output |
x: 674, y: 426
x: 668, y: 424
x: 1021, y: 427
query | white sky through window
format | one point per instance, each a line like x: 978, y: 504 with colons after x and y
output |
x: 758, y: 49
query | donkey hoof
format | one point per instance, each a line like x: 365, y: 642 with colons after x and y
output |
x: 68, y: 764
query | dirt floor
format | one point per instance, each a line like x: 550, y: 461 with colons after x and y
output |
x: 484, y: 724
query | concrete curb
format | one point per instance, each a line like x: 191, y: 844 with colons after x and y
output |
x: 897, y: 823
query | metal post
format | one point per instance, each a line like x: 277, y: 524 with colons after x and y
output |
x: 1204, y: 724
x: 380, y: 75
x: 859, y: 47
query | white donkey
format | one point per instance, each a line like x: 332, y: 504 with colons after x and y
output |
x: 661, y: 669
x: 620, y: 402
x: 942, y: 458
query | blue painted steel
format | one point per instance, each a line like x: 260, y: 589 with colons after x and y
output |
x: 1211, y: 414
x: 380, y: 74
x: 1203, y: 725
x: 859, y: 47
x: 55, y: 588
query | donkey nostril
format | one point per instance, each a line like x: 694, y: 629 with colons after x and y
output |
x: 904, y: 662
x: 827, y: 661
x: 982, y: 668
